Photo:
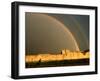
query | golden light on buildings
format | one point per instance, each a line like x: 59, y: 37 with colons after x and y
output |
x: 65, y: 55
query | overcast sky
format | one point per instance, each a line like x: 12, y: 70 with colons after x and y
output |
x: 50, y: 33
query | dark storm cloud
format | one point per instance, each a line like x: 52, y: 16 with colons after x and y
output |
x: 78, y: 25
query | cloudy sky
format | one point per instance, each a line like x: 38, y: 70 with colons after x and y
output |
x: 51, y: 33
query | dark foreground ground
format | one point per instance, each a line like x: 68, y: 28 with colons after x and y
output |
x: 57, y: 63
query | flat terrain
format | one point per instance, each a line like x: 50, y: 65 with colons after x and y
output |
x: 66, y: 58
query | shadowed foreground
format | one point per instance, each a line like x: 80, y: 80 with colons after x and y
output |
x: 58, y: 63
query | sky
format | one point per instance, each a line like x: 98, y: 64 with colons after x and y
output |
x: 51, y: 33
x: 79, y: 26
